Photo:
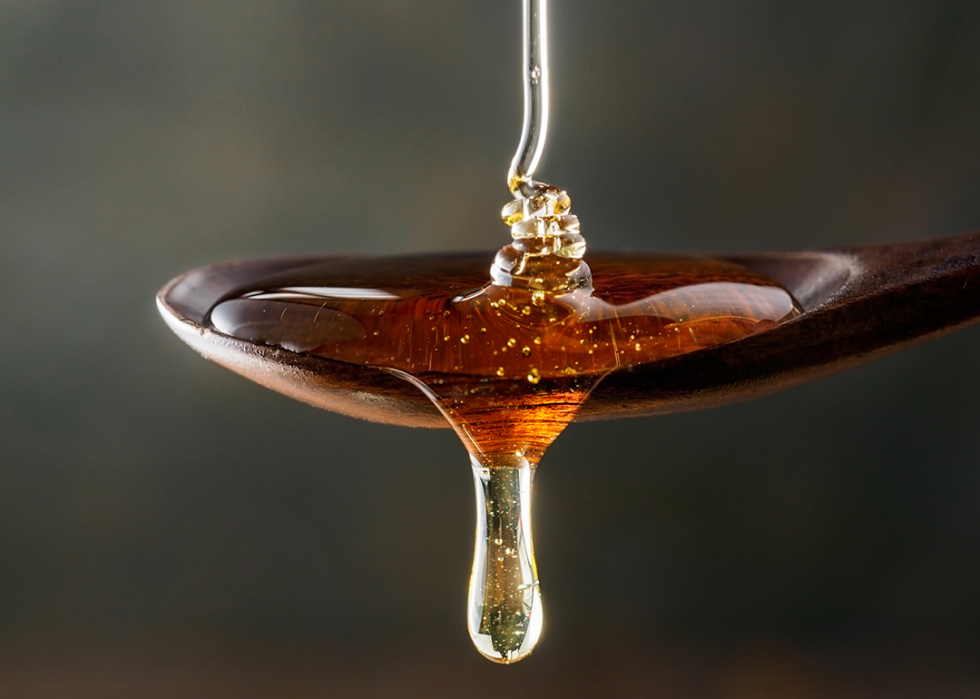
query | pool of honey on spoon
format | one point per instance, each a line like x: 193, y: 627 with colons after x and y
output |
x: 508, y: 362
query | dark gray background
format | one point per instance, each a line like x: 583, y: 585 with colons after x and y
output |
x: 168, y: 528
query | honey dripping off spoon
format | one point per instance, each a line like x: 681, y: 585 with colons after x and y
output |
x: 507, y: 363
x: 510, y: 363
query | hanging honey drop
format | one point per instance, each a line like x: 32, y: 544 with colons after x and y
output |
x: 375, y: 312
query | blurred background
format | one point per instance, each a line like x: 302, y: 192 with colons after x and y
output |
x: 169, y: 529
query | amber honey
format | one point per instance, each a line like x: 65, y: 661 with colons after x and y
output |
x: 509, y: 364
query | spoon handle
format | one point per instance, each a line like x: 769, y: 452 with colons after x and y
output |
x: 860, y: 304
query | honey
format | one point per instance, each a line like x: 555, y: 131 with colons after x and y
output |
x: 481, y: 348
x: 510, y: 353
x: 508, y: 366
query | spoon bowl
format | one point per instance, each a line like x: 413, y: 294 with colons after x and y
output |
x: 858, y: 304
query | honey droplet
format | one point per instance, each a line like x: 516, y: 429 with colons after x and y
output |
x: 504, y: 616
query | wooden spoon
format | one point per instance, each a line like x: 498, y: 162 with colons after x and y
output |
x: 859, y: 304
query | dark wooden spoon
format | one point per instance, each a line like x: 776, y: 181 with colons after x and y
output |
x: 859, y: 304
